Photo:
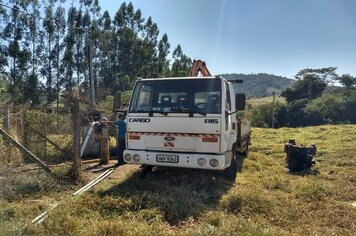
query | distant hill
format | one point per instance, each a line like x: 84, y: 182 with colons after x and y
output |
x: 259, y: 85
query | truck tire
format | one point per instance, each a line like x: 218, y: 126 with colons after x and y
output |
x: 145, y: 169
x: 245, y: 153
x: 231, y: 171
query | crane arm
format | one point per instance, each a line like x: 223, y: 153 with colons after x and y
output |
x: 199, y: 66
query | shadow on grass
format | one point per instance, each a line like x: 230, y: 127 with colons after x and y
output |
x: 177, y: 194
x: 307, y: 172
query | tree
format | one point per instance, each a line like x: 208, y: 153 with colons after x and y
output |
x: 68, y: 57
x: 261, y: 116
x: 55, y: 51
x: 60, y: 31
x: 310, y: 86
x: 347, y: 81
x: 49, y: 28
x: 106, y: 54
x: 310, y: 83
x: 3, y: 45
x: 148, y: 50
x: 163, y: 62
x: 329, y: 108
x: 31, y: 89
x: 182, y: 63
x: 17, y: 55
x: 327, y: 75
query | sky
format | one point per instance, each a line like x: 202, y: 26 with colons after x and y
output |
x: 278, y: 37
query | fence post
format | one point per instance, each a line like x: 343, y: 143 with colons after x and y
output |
x: 274, y: 97
x: 76, y: 170
x: 6, y: 118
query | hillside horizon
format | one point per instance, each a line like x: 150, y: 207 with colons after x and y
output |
x: 259, y: 84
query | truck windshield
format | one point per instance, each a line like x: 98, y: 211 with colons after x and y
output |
x: 177, y: 96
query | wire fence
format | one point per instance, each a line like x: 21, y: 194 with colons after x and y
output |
x: 44, y: 133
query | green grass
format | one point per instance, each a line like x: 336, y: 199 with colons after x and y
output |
x: 265, y: 199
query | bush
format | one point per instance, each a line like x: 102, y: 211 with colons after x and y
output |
x: 261, y: 116
x: 330, y: 108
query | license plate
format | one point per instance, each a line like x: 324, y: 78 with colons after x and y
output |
x: 167, y: 158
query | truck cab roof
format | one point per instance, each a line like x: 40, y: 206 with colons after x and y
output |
x: 192, y: 78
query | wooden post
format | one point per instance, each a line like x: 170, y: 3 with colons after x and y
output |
x: 75, y: 108
x: 45, y: 132
x: 104, y: 145
x: 6, y: 118
x: 6, y: 114
x: 274, y: 97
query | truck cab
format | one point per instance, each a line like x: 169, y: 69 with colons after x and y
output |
x: 186, y: 122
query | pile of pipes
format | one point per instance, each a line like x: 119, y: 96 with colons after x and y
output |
x: 299, y: 157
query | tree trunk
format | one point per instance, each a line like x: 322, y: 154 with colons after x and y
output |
x: 49, y: 81
x: 57, y: 82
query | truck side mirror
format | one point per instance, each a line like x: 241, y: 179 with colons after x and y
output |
x: 117, y: 101
x: 240, y: 101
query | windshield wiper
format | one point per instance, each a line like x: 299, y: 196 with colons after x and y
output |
x: 191, y: 113
x: 150, y: 114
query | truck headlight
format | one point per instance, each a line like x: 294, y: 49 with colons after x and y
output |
x: 201, y: 162
x: 136, y: 158
x: 214, y: 163
x: 127, y: 157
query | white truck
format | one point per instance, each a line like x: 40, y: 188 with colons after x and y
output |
x: 187, y: 122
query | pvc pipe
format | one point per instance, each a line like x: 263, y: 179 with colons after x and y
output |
x: 87, y: 136
x: 39, y: 219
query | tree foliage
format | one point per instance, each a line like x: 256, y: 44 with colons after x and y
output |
x: 309, y: 87
x: 327, y: 74
x: 43, y: 58
x: 309, y: 103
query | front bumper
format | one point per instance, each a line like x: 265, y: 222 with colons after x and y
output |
x: 185, y: 160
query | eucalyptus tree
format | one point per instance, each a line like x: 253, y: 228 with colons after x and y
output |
x: 32, y: 84
x: 106, y: 54
x: 79, y: 45
x: 18, y: 55
x: 181, y: 62
x: 3, y: 43
x: 49, y: 34
x: 68, y: 57
x: 162, y: 60
x: 60, y: 32
x: 148, y: 50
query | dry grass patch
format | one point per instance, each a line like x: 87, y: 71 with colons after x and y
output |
x: 265, y: 199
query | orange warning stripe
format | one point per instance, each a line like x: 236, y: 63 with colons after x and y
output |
x: 173, y: 134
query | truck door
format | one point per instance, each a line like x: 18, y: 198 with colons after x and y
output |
x: 229, y: 121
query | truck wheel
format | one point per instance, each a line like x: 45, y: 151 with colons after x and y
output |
x: 145, y: 169
x: 245, y: 153
x: 231, y: 171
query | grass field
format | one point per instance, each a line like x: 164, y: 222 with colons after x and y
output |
x: 265, y: 199
x: 265, y: 100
